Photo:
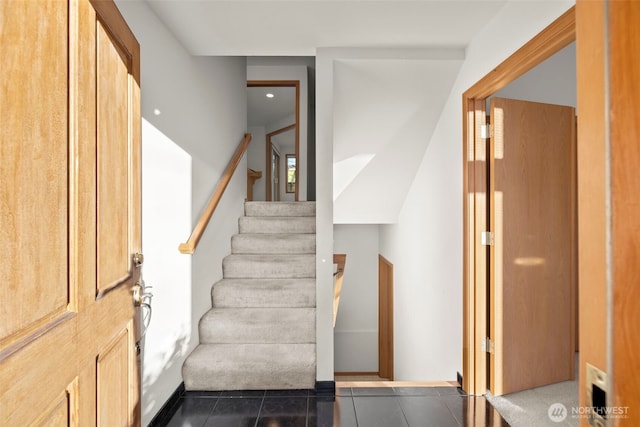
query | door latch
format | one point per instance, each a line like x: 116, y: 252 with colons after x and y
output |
x: 138, y: 259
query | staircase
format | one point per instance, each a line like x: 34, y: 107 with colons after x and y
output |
x: 260, y: 332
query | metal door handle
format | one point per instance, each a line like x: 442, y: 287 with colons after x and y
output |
x: 138, y: 259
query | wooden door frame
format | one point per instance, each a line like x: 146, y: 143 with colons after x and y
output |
x: 268, y: 171
x: 282, y: 83
x: 549, y: 41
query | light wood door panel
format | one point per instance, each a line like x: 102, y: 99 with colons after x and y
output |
x: 385, y: 318
x: 69, y: 214
x: 624, y: 90
x: 532, y: 186
x: 112, y: 383
x: 113, y: 188
x: 59, y: 413
x: 33, y: 175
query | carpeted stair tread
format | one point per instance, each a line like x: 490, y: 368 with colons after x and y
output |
x: 264, y: 293
x: 258, y: 325
x: 260, y: 332
x: 276, y: 224
x: 237, y: 266
x: 250, y: 367
x: 279, y: 243
x: 291, y: 209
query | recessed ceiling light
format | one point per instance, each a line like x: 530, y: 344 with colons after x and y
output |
x: 270, y: 95
x: 157, y: 112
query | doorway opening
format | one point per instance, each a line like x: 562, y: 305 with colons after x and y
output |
x: 274, y: 106
x: 476, y: 181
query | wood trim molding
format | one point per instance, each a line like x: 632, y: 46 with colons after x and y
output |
x: 624, y: 90
x: 113, y: 20
x: 545, y: 44
x: 549, y: 41
x: 269, y: 149
x: 283, y: 83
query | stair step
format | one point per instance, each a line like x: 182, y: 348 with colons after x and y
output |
x: 273, y: 244
x: 258, y: 325
x: 238, y: 266
x: 280, y: 208
x: 250, y: 367
x: 260, y: 333
x: 277, y: 224
x: 264, y: 293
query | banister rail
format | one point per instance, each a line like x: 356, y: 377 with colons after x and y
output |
x: 340, y: 260
x: 190, y: 246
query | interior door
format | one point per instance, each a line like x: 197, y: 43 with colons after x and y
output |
x: 69, y: 214
x: 385, y: 318
x: 275, y: 174
x: 532, y: 261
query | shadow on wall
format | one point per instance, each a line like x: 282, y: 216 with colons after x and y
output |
x: 170, y: 360
x: 166, y: 221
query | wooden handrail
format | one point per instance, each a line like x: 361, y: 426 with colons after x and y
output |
x: 190, y: 246
x: 340, y: 260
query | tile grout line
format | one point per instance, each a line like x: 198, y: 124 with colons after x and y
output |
x: 260, y: 409
x: 446, y: 405
x: 213, y: 408
x: 406, y: 420
x: 355, y: 411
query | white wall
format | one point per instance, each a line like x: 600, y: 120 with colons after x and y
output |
x: 384, y: 112
x: 166, y: 219
x: 552, y: 82
x: 426, y: 243
x: 203, y: 119
x: 356, y: 331
x: 324, y: 216
x: 290, y: 72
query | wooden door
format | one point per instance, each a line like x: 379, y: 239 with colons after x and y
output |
x: 385, y: 318
x: 69, y: 214
x: 532, y: 190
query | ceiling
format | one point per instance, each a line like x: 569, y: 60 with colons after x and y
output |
x: 263, y: 111
x: 385, y: 110
x: 299, y: 27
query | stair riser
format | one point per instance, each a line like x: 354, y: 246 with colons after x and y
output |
x: 258, y: 326
x: 256, y: 268
x: 273, y: 244
x: 227, y: 294
x: 280, y: 209
x: 264, y: 225
x: 250, y: 367
x: 244, y: 379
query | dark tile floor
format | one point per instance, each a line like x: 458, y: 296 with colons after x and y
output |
x: 351, y: 407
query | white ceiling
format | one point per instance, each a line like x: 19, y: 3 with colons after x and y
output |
x: 298, y: 27
x: 385, y: 109
x: 262, y: 111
